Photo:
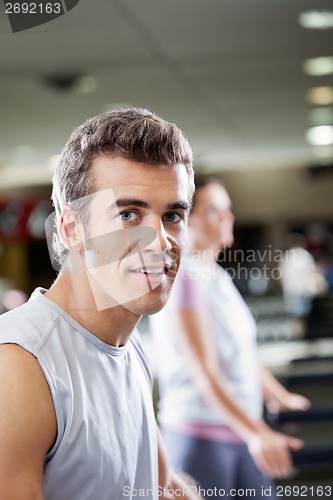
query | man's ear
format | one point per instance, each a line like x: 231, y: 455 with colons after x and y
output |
x: 70, y: 230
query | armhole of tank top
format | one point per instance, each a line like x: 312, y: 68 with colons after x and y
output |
x: 58, y: 412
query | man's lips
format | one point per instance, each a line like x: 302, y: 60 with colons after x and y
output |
x: 151, y: 271
x: 153, y: 276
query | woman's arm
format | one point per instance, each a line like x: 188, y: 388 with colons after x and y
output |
x: 269, y: 449
x: 277, y: 397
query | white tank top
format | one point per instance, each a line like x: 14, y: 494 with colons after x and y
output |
x: 106, y: 447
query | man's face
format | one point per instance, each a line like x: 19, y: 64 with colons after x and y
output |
x: 136, y: 233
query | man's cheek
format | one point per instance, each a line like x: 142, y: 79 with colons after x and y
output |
x: 118, y: 245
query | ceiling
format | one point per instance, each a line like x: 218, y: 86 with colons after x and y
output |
x: 228, y: 72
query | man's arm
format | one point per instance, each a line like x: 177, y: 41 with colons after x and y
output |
x: 277, y: 397
x: 28, y: 425
x: 171, y: 482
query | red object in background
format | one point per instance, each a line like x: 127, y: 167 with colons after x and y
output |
x: 23, y: 219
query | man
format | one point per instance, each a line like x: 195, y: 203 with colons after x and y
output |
x: 76, y: 415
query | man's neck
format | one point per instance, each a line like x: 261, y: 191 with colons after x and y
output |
x: 113, y: 325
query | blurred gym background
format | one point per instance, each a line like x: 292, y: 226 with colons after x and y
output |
x: 251, y: 84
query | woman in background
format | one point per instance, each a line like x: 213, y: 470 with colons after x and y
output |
x: 211, y: 385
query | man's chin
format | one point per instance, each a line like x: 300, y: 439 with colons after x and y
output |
x: 148, y: 304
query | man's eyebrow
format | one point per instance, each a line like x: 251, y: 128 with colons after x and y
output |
x: 125, y: 203
x: 183, y: 205
x: 179, y: 205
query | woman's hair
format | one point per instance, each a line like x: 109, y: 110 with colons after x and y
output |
x: 134, y: 134
x: 201, y: 181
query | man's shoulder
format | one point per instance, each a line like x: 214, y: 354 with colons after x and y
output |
x: 27, y: 324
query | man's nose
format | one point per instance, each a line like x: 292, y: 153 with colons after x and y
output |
x: 161, y: 242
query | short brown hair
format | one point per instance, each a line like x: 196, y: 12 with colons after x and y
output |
x: 135, y: 134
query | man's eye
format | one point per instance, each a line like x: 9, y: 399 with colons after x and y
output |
x: 128, y: 215
x: 172, y: 217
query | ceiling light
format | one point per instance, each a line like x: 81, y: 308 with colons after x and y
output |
x: 321, y: 116
x: 316, y: 19
x: 318, y: 66
x: 320, y: 96
x: 320, y: 136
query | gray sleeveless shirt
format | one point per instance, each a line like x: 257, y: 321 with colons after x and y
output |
x: 106, y: 446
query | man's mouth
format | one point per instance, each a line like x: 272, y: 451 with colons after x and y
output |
x: 151, y: 271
